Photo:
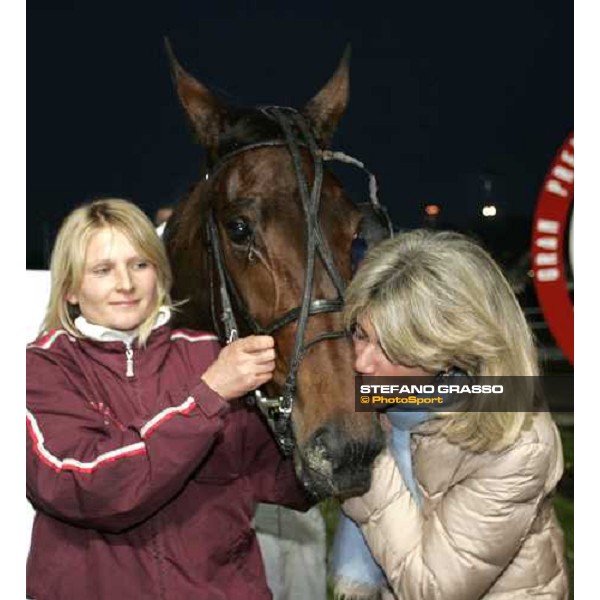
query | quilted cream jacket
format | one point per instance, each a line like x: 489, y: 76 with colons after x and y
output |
x: 486, y: 527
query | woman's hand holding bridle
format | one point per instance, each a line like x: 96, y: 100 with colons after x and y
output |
x: 242, y: 366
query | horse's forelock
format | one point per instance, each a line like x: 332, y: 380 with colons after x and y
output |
x: 246, y: 126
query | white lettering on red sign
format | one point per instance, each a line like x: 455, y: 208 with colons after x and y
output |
x: 549, y: 242
x: 544, y: 259
x: 547, y: 226
x: 554, y: 187
x: 568, y: 158
x: 546, y: 275
x: 551, y: 221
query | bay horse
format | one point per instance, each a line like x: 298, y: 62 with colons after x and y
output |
x: 262, y: 244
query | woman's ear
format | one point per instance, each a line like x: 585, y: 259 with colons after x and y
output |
x: 72, y: 298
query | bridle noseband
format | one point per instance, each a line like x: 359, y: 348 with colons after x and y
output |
x: 297, y: 133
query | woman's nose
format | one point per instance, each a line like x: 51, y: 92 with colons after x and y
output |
x: 124, y: 280
x: 364, y: 358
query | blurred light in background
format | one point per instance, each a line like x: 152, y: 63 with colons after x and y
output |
x: 489, y: 210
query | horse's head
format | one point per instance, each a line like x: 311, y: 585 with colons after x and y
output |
x: 275, y: 228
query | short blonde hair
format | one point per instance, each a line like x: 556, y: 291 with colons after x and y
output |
x: 68, y: 258
x: 438, y: 300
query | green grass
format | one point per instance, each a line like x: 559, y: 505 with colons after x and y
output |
x: 563, y: 504
x: 330, y: 511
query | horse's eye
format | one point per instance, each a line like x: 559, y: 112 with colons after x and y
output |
x: 238, y: 230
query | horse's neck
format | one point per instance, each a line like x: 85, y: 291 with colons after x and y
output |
x: 194, y: 314
x: 192, y: 288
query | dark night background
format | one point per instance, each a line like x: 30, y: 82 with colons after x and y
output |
x: 454, y: 103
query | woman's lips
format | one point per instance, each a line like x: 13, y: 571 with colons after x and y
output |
x: 125, y: 303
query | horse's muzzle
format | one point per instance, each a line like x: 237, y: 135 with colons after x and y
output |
x: 331, y: 463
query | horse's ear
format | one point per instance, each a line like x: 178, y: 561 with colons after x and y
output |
x: 205, y: 111
x: 328, y: 106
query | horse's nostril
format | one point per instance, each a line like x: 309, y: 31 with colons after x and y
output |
x: 322, y: 437
x: 344, y: 454
x: 325, y: 442
x: 333, y: 463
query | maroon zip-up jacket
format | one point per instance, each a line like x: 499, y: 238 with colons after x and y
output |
x: 144, y: 484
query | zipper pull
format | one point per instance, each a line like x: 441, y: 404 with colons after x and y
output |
x: 129, y: 356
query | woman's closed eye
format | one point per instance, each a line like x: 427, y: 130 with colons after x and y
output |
x: 140, y: 265
x: 358, y: 333
x: 101, y: 270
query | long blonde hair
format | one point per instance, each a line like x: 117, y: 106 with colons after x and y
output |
x: 438, y: 300
x: 68, y: 258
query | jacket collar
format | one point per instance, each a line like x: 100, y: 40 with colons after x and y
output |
x: 99, y: 333
x: 111, y: 348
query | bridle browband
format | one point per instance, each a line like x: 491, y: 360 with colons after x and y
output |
x: 297, y: 134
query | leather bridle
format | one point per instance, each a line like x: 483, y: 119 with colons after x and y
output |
x: 296, y: 134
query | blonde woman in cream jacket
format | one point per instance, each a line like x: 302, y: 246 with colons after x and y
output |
x: 469, y: 515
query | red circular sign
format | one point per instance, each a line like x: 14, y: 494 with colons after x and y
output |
x: 550, y: 228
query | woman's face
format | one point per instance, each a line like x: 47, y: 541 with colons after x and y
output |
x: 371, y: 360
x: 119, y: 287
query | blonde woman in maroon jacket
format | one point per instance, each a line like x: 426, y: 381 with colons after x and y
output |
x: 469, y: 514
x: 142, y: 466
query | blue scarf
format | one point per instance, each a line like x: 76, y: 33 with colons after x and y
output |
x: 352, y: 566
